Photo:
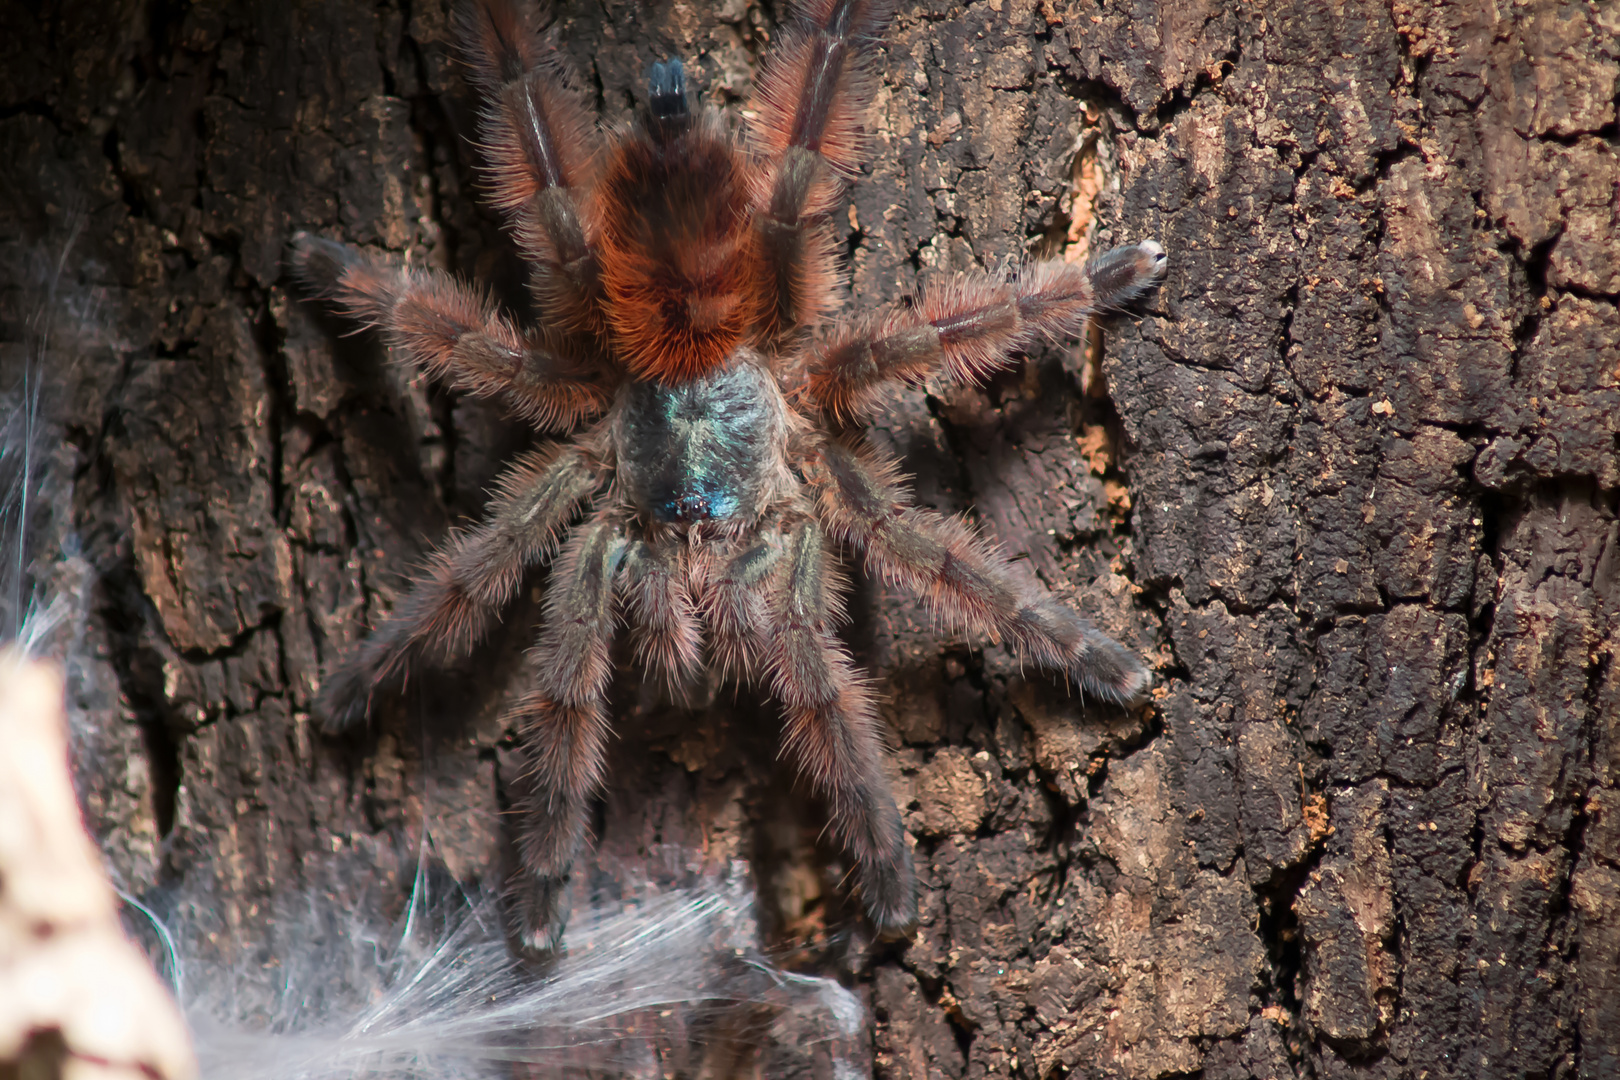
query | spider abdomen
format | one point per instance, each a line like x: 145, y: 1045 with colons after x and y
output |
x: 706, y: 448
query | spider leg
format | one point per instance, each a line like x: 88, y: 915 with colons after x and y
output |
x: 963, y: 578
x: 809, y: 104
x: 451, y: 332
x: 563, y: 727
x: 734, y: 603
x: 660, y: 607
x: 972, y: 325
x: 538, y: 135
x: 833, y: 730
x: 468, y: 581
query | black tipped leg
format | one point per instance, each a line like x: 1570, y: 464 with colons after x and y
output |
x: 1105, y: 669
x: 318, y: 263
x: 888, y: 891
x: 538, y: 908
x: 344, y: 700
x: 1098, y: 665
x: 1125, y: 273
x: 376, y: 664
x: 884, y: 874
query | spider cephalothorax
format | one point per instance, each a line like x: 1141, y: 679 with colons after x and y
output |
x: 682, y: 279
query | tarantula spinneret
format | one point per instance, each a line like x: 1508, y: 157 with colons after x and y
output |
x: 684, y: 283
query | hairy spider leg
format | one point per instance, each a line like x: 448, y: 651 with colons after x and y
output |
x: 664, y: 616
x: 541, y: 149
x: 972, y: 325
x: 832, y: 729
x: 469, y: 580
x: 962, y: 577
x: 733, y: 590
x: 809, y: 106
x: 563, y: 726
x: 452, y: 332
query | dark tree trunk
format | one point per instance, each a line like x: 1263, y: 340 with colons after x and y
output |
x: 1349, y: 481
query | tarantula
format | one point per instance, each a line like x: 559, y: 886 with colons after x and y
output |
x: 684, y: 282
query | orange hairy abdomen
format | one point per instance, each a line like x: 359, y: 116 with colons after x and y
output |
x: 677, y: 253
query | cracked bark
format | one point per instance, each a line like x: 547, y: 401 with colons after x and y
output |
x: 1351, y: 486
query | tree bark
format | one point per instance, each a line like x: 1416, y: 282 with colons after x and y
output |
x: 1349, y: 481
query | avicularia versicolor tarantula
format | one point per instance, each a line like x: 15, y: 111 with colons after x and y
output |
x: 684, y: 284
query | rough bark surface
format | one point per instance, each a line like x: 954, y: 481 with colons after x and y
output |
x: 1349, y: 481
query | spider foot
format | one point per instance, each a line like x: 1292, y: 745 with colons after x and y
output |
x: 319, y: 263
x: 344, y: 699
x: 888, y: 889
x: 1103, y: 668
x: 538, y: 909
x: 1125, y: 273
x: 1099, y: 666
x: 884, y: 874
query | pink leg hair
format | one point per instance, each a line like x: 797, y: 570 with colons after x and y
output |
x: 962, y: 577
x: 832, y: 729
x: 972, y: 325
x: 468, y: 580
x: 661, y: 609
x: 733, y: 597
x: 538, y: 134
x: 809, y: 103
x: 452, y: 332
x: 563, y: 726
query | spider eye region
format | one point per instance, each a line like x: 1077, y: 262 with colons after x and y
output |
x: 696, y: 506
x: 702, y: 449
